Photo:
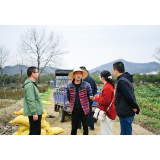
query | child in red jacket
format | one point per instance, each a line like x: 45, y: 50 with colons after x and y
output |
x: 104, y: 100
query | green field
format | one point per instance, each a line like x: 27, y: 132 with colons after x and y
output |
x: 45, y: 96
x: 148, y: 99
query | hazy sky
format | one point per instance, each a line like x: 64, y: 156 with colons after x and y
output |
x: 94, y: 45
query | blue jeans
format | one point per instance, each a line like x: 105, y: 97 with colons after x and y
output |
x: 126, y: 125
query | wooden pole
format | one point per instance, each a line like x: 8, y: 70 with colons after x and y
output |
x: 7, y: 129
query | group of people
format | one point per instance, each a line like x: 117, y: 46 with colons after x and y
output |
x: 119, y: 102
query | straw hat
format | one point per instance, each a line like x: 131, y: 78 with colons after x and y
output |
x: 70, y: 75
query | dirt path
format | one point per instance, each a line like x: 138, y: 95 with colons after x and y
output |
x: 54, y: 122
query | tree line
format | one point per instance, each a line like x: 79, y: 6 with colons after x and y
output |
x: 137, y: 78
x: 45, y: 79
x: 7, y: 79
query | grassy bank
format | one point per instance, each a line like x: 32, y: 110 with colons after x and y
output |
x: 45, y: 97
x: 9, y: 97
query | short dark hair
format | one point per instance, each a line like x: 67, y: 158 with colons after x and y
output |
x: 119, y: 66
x: 30, y: 70
x: 82, y: 67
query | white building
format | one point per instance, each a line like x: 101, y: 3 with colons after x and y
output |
x: 153, y: 72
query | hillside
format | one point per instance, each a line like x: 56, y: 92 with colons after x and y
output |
x: 129, y: 67
x: 11, y: 70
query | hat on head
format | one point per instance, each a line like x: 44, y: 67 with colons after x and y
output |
x: 70, y: 75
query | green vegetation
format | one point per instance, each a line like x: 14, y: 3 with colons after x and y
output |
x: 45, y: 96
x: 18, y: 94
x: 42, y: 88
x: 147, y: 79
x: 7, y: 79
x: 148, y: 99
x: 137, y: 78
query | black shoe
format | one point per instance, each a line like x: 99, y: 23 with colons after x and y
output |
x: 91, y: 129
x: 50, y: 116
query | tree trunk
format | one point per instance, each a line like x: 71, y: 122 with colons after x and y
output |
x: 39, y: 79
x: 1, y: 70
x: 38, y: 71
x: 21, y: 76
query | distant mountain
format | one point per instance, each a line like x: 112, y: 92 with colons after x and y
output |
x: 11, y: 70
x: 130, y: 67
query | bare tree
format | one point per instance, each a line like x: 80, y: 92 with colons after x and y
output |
x: 41, y: 48
x: 20, y: 66
x: 21, y: 63
x: 157, y: 56
x: 4, y: 57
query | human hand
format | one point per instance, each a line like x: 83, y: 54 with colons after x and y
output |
x: 97, y: 95
x: 135, y: 110
x: 35, y: 117
x: 92, y: 98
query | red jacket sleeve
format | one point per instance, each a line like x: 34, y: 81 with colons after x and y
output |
x: 105, y: 97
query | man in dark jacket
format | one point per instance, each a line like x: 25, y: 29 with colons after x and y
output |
x: 125, y: 101
x: 91, y: 81
x: 78, y: 94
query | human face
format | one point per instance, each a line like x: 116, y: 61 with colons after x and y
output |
x: 114, y: 72
x: 78, y: 75
x: 35, y: 74
x: 102, y: 79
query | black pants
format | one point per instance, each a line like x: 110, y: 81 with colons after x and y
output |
x: 35, y: 126
x: 76, y: 114
x: 91, y: 119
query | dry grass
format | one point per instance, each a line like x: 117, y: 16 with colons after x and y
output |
x: 42, y: 88
x: 11, y: 94
x: 6, y: 114
x: 6, y: 103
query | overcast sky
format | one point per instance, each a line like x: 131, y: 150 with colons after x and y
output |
x: 94, y: 45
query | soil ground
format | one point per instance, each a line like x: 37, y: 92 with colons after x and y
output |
x: 6, y: 114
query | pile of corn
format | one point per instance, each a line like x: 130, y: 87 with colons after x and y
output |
x: 47, y: 102
x: 23, y: 123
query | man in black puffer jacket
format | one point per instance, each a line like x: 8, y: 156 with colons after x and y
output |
x: 125, y: 101
x: 91, y: 81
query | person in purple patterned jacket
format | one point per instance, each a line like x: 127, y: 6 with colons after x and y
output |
x: 78, y: 94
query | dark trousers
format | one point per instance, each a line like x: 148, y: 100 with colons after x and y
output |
x: 35, y: 126
x: 91, y: 119
x: 76, y: 114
